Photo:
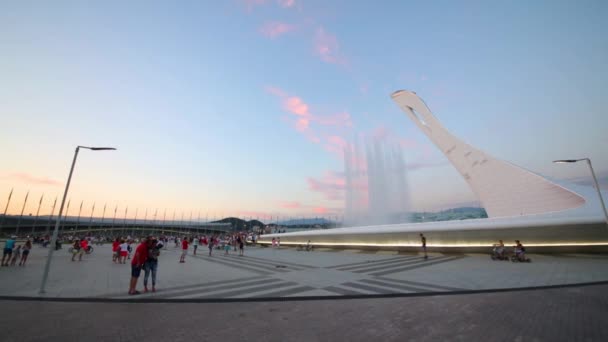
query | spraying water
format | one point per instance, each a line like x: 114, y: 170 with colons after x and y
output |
x: 376, y: 185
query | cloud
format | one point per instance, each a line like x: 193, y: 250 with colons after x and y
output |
x: 254, y: 214
x: 327, y: 48
x: 320, y: 210
x: 296, y: 106
x: 29, y: 179
x: 423, y: 165
x: 286, y: 3
x: 290, y: 205
x: 275, y: 29
x: 331, y: 186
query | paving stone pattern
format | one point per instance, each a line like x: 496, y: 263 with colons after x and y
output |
x: 268, y: 272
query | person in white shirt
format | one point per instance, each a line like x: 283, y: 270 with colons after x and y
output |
x: 195, y: 244
x: 124, y: 251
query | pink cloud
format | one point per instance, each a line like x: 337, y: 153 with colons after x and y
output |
x: 275, y: 91
x: 290, y: 205
x: 335, y: 144
x: 327, y: 48
x: 331, y: 186
x: 339, y: 119
x: 275, y: 29
x: 255, y: 214
x: 286, y: 3
x: 30, y: 179
x: 296, y: 106
x: 321, y: 210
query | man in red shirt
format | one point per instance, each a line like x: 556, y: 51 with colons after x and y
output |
x: 84, y: 245
x: 184, y: 250
x: 141, y: 254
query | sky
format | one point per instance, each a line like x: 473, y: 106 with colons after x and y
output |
x: 243, y: 107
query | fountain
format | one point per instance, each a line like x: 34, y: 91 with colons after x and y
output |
x: 376, y: 185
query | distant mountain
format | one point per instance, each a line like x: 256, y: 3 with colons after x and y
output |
x: 461, y: 213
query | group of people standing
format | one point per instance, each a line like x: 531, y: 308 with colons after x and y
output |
x: 11, y: 253
x: 146, y: 258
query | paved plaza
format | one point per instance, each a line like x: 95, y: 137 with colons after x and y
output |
x: 288, y: 273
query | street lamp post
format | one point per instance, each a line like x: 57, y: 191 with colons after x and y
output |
x: 47, y: 266
x: 597, y: 185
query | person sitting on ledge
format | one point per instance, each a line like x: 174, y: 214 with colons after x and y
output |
x: 520, y: 251
x: 499, y: 249
x: 309, y: 246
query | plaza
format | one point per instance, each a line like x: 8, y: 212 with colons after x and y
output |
x: 270, y: 273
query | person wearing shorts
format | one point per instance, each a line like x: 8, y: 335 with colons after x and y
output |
x: 182, y: 259
x: 8, y: 250
x: 423, y: 241
x: 195, y: 245
x: 137, y: 263
x: 124, y: 252
x: 239, y: 240
x: 25, y: 253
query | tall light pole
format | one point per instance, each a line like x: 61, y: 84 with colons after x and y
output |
x: 47, y: 266
x: 37, y: 213
x: 21, y: 215
x: 597, y: 185
x: 6, y: 208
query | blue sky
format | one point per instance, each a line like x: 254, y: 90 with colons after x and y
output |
x: 242, y: 107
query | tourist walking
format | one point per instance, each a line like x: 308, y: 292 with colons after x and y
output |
x: 182, y: 259
x: 195, y: 244
x: 84, y: 246
x: 9, y: 245
x: 227, y: 243
x: 26, y: 252
x: 423, y: 240
x: 137, y: 263
x: 16, y: 255
x: 75, y: 248
x: 116, y: 250
x: 210, y: 245
x: 151, y: 264
x: 124, y: 252
x: 241, y: 243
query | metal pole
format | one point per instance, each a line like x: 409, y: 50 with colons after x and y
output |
x: 114, y: 219
x: 103, y: 215
x: 597, y: 187
x: 21, y: 215
x: 124, y: 220
x: 37, y: 213
x: 65, y: 217
x: 6, y: 208
x: 134, y: 221
x: 48, y: 226
x: 47, y: 266
x: 91, y: 218
x: 79, y: 212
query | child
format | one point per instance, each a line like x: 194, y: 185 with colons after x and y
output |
x: 16, y: 255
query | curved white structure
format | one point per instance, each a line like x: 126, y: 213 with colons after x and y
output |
x: 520, y: 204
